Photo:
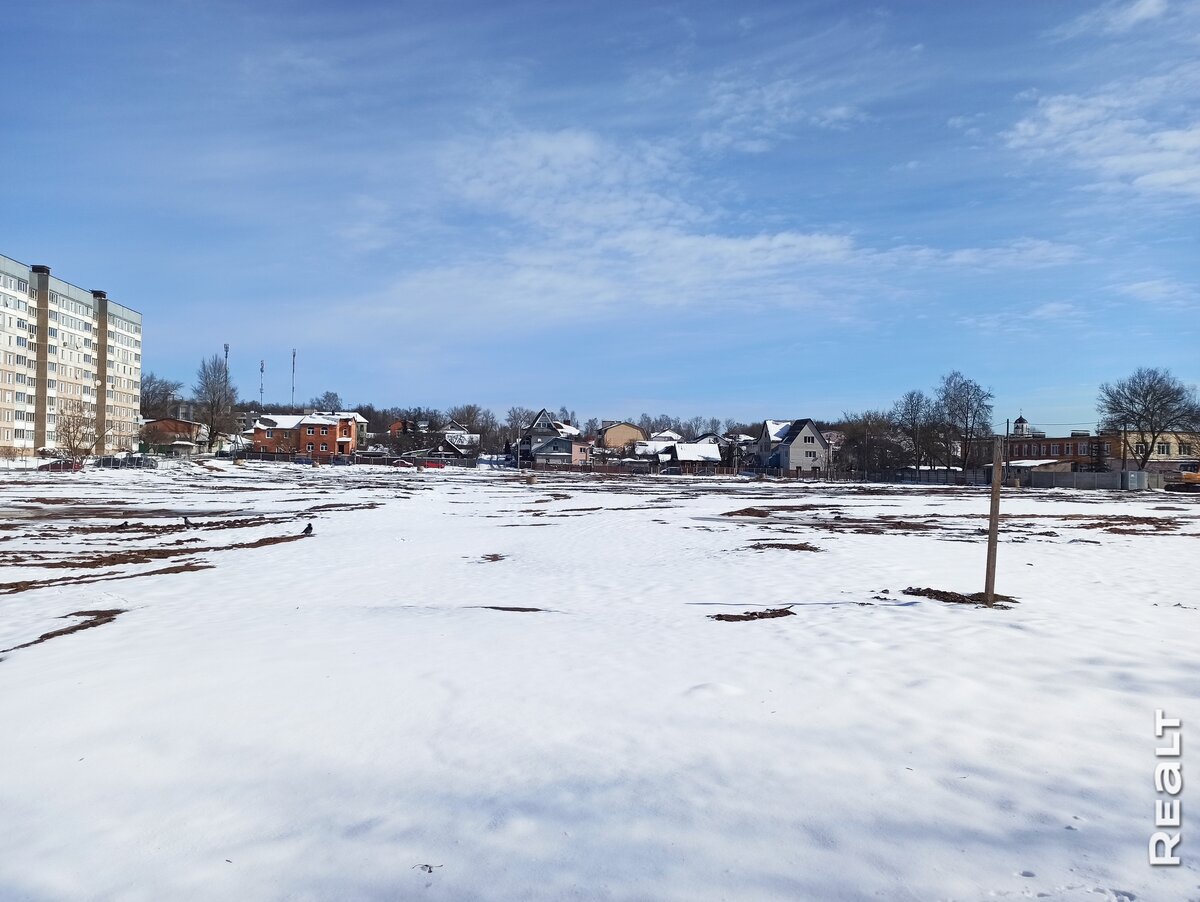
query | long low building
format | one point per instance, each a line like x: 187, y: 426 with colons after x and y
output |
x: 69, y: 356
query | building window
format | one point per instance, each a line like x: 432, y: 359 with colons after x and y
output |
x: 1054, y: 450
x: 324, y: 430
x: 1140, y: 448
x: 1108, y: 447
x: 809, y: 440
x: 1164, y: 448
x: 311, y: 431
x: 270, y: 433
x: 310, y: 446
x: 810, y: 453
x: 1185, y: 449
x: 324, y: 446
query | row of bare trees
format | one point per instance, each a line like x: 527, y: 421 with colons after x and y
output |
x: 941, y: 429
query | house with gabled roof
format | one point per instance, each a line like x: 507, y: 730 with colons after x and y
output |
x: 562, y: 450
x: 619, y: 434
x: 543, y: 428
x: 770, y: 434
x: 310, y: 433
x: 802, y: 448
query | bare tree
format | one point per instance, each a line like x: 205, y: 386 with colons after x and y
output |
x: 967, y: 408
x: 1149, y: 403
x: 75, y: 429
x: 215, y: 396
x: 9, y: 453
x: 916, y: 415
x: 157, y: 394
x: 465, y: 415
x: 287, y: 441
x: 516, y: 420
x: 871, y: 440
x: 329, y: 400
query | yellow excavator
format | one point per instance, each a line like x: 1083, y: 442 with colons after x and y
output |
x: 1184, y: 482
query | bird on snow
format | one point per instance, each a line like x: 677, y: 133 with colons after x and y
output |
x: 308, y: 530
x: 187, y: 522
x: 124, y: 525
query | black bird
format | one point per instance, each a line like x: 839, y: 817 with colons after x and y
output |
x: 308, y: 530
x: 187, y: 522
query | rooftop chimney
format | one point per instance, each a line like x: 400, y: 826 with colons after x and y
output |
x: 99, y: 295
x: 44, y: 270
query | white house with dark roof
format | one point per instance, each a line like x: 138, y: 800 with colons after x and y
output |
x: 803, y: 448
x: 793, y: 445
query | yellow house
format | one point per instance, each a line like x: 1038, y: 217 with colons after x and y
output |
x: 618, y: 435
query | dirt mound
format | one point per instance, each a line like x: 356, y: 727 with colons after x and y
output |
x: 975, y: 598
x: 754, y: 615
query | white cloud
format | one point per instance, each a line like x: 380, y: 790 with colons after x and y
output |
x: 1021, y: 253
x: 1134, y: 135
x: 1162, y: 292
x: 1114, y: 17
x: 1054, y: 310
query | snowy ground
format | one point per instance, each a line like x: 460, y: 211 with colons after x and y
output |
x: 342, y: 717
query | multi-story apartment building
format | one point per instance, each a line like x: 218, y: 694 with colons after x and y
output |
x: 1171, y: 452
x: 64, y: 348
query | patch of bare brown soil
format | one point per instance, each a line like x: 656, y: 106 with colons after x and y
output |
x: 493, y: 557
x: 135, y: 555
x: 94, y: 618
x: 28, y: 584
x: 364, y: 506
x: 1123, y: 525
x: 748, y: 512
x: 784, y: 546
x: 755, y: 615
x: 975, y: 598
x: 496, y: 607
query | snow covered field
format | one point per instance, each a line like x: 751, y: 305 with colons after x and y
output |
x: 343, y: 716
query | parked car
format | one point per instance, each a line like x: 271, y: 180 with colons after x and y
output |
x: 340, y: 461
x: 670, y: 471
x: 434, y: 464
x: 131, y: 461
x: 303, y: 461
x: 401, y: 462
x: 60, y: 466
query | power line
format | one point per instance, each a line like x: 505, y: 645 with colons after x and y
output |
x: 1085, y: 423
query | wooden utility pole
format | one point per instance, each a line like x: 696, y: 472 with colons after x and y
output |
x: 989, y: 590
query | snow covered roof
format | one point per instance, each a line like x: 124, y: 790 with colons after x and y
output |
x: 777, y: 428
x: 647, y: 449
x: 566, y: 429
x: 295, y: 421
x: 703, y: 452
x: 666, y: 436
x: 1032, y: 464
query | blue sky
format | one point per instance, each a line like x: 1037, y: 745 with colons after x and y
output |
x: 750, y: 210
